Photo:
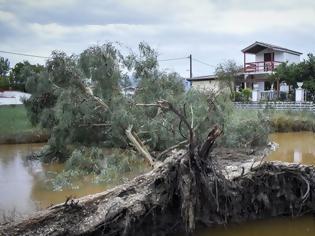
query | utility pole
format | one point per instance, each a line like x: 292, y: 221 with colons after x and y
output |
x: 190, y: 66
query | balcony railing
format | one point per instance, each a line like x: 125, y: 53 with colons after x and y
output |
x: 261, y: 66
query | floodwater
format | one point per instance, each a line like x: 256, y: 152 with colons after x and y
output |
x: 296, y: 147
x: 24, y: 186
x: 303, y: 226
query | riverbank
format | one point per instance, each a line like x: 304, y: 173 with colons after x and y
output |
x: 15, y: 127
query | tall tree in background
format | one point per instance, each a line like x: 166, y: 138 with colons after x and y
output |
x: 298, y: 72
x: 21, y: 72
x: 227, y: 74
x: 4, y: 66
x: 4, y: 70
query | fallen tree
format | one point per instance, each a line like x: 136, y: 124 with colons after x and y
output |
x: 163, y: 201
x: 186, y: 191
x: 168, y: 199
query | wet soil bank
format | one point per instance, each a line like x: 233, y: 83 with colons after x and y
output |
x: 24, y: 137
x: 182, y: 194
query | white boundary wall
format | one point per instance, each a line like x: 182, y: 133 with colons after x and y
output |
x: 297, y: 106
x: 12, y: 97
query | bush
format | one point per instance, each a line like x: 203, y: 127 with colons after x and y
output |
x: 110, y: 166
x: 246, y: 93
x: 243, y: 96
x: 245, y: 129
x: 86, y: 160
x: 4, y: 83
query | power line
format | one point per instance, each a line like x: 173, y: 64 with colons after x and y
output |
x: 23, y: 54
x: 202, y: 62
x: 174, y: 59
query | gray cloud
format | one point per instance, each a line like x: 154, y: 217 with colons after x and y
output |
x: 212, y: 31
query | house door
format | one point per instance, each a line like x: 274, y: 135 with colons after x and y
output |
x: 267, y: 57
x: 268, y: 61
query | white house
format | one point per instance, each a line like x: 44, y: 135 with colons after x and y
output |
x: 266, y: 57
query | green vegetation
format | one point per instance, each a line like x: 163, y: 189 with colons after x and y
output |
x: 4, y: 83
x: 298, y: 72
x: 109, y: 166
x: 13, y: 120
x: 4, y: 70
x: 246, y: 129
x: 226, y: 73
x: 4, y: 66
x: 20, y: 72
x: 243, y: 95
x: 15, y: 79
x: 80, y: 100
x: 287, y: 121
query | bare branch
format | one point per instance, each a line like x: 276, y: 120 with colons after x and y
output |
x: 95, y: 125
x: 165, y: 105
x: 171, y: 149
x: 139, y: 145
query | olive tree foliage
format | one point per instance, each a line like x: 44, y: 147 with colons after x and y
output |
x: 74, y: 98
x: 157, y: 129
x: 78, y: 98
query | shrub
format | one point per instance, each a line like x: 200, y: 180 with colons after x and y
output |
x: 246, y: 93
x: 4, y: 83
x: 243, y: 96
x: 245, y: 129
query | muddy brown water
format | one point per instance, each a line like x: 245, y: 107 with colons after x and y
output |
x: 294, y: 147
x: 24, y: 186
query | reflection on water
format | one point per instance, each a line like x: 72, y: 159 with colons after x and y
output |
x: 294, y: 147
x: 15, y: 178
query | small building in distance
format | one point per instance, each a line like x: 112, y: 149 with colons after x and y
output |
x: 205, y: 83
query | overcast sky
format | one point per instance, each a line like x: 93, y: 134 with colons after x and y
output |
x: 210, y: 30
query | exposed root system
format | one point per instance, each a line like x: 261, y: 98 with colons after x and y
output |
x: 182, y: 193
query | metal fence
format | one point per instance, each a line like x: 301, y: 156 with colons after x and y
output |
x: 293, y: 106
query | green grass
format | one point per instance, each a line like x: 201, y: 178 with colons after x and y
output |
x: 13, y: 120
